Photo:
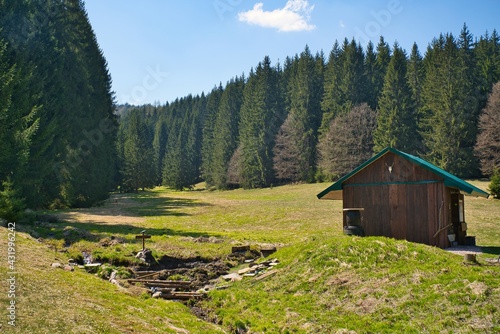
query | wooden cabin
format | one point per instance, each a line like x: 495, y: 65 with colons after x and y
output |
x: 405, y: 197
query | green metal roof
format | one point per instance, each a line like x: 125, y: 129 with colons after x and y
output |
x: 450, y: 180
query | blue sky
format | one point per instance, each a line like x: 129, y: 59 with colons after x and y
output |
x: 158, y: 50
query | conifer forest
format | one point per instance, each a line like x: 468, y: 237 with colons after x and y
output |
x: 64, y: 142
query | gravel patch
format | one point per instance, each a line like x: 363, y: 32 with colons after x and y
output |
x: 462, y: 250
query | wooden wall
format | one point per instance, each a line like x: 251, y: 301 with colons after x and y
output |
x: 408, y: 203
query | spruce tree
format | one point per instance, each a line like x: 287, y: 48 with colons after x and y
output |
x: 415, y: 74
x: 294, y: 153
x: 261, y: 115
x: 468, y: 105
x: 172, y: 162
x: 351, y: 87
x: 139, y: 169
x: 383, y: 57
x: 396, y: 114
x: 11, y: 204
x: 17, y: 127
x: 371, y: 76
x: 344, y: 81
x: 181, y: 166
x: 199, y: 111
x: 212, y: 104
x: 449, y: 107
x: 70, y: 159
x: 331, y: 90
x: 226, y: 131
x: 160, y: 140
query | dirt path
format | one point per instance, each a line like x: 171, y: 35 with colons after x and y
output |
x: 113, y: 211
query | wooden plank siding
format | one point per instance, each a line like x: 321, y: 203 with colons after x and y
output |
x: 408, y: 202
x: 405, y: 197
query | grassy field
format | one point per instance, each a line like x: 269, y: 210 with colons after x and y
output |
x: 325, y: 283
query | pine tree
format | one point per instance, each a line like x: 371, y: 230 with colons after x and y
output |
x: 90, y: 129
x: 289, y: 72
x: 468, y: 105
x: 396, y: 115
x: 487, y: 56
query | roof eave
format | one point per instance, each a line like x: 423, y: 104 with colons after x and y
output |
x: 450, y: 180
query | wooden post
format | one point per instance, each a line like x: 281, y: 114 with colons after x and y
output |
x: 143, y: 237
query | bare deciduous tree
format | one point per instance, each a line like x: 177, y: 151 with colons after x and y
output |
x: 291, y: 161
x: 233, y: 176
x: 348, y: 142
x: 487, y: 147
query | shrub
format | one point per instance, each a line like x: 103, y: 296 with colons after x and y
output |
x: 494, y: 187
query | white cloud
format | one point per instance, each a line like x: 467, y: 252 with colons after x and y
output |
x: 341, y: 24
x: 294, y: 16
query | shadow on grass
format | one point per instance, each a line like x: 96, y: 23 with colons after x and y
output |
x: 164, y: 206
x: 491, y: 249
x: 72, y: 232
x: 144, y: 204
x: 64, y: 225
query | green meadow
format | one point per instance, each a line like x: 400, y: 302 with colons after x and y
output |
x: 325, y: 282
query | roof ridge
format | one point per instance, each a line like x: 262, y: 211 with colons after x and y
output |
x: 450, y: 180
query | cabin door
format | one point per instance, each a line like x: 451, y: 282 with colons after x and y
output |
x: 458, y: 217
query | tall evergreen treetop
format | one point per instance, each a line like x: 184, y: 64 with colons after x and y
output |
x: 261, y: 115
x: 396, y: 119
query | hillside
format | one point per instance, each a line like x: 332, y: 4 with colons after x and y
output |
x: 365, y: 285
x: 325, y: 282
x: 52, y: 300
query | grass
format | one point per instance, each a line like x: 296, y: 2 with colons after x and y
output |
x: 483, y: 217
x: 326, y: 282
x: 52, y: 300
